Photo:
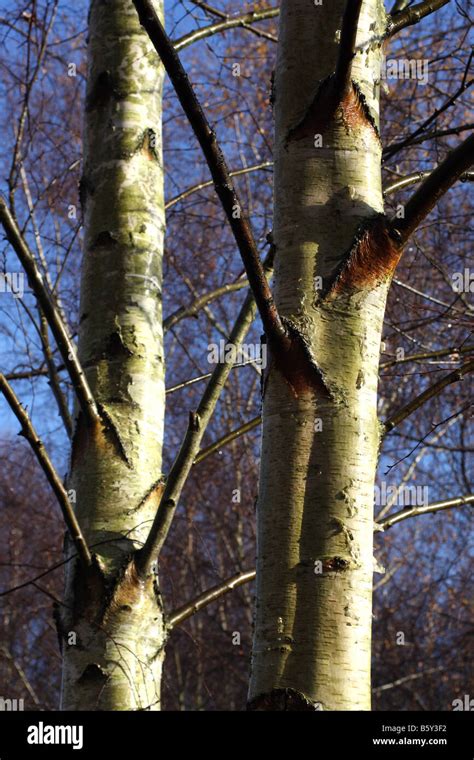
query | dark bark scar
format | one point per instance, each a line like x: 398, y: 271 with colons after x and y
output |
x: 101, y: 91
x: 294, y: 361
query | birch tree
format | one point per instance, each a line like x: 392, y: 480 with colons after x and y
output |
x: 334, y: 248
x: 321, y: 434
x: 336, y: 253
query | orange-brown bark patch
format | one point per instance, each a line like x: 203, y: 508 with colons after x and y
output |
x: 372, y: 259
x: 294, y: 362
x: 328, y: 106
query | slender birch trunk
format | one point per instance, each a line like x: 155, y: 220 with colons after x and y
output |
x: 334, y: 259
x: 112, y: 625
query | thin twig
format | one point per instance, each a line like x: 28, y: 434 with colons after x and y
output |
x: 412, y: 179
x: 207, y: 597
x: 417, y: 136
x: 430, y: 355
x: 37, y: 446
x: 51, y: 313
x: 428, y: 394
x: 241, y: 430
x: 244, y: 21
x: 209, y: 183
x: 395, y: 147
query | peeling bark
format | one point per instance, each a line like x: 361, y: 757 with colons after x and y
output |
x: 371, y: 261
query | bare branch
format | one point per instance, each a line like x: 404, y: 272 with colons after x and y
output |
x: 57, y: 326
x: 412, y: 179
x: 53, y: 376
x: 404, y: 514
x: 211, y: 595
x: 412, y: 15
x: 37, y: 446
x: 199, y: 303
x: 244, y: 21
x: 209, y: 9
x: 210, y: 183
x: 427, y: 296
x: 435, y: 133
x: 347, y: 47
x: 452, y: 351
x: 27, y: 374
x: 246, y: 428
x: 8, y: 656
x: 428, y: 394
x: 406, y: 679
x: 225, y: 189
x: 432, y: 189
x: 417, y: 136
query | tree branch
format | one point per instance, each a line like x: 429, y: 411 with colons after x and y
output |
x: 191, y: 311
x: 406, y: 679
x: 428, y: 394
x: 432, y: 189
x: 412, y: 15
x: 412, y: 179
x: 404, y: 514
x: 225, y: 189
x: 57, y: 326
x: 209, y: 183
x: 429, y: 355
x: 417, y: 137
x: 61, y: 400
x: 207, y: 597
x: 245, y: 21
x: 190, y: 447
x: 36, y: 444
x: 245, y: 428
x: 347, y: 47
x: 209, y: 9
x: 395, y: 147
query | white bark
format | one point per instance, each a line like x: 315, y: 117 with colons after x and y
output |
x: 312, y: 642
x: 113, y: 620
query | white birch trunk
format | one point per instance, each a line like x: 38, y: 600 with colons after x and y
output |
x: 112, y: 628
x: 312, y: 643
